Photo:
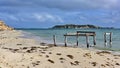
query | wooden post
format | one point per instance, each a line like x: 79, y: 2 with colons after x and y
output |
x: 105, y: 39
x: 94, y: 40
x: 65, y: 41
x: 77, y: 39
x: 54, y: 39
x: 110, y: 38
x: 87, y: 41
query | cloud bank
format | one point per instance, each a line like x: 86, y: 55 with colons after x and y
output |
x: 52, y: 12
x: 63, y: 4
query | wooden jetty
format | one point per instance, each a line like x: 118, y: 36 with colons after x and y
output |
x: 82, y: 33
x: 85, y: 34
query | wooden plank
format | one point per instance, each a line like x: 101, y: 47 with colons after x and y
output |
x: 85, y: 32
x: 78, y: 35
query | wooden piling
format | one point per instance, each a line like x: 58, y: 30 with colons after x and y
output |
x: 77, y: 39
x: 65, y: 41
x: 54, y: 39
x: 94, y: 40
x: 110, y: 38
x: 87, y: 41
x: 105, y: 39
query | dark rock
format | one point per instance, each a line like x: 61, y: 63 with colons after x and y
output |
x: 94, y: 63
x: 117, y: 64
x: 58, y: 54
x: 76, y: 62
x: 24, y: 47
x: 42, y: 43
x: 72, y: 63
x: 43, y: 52
x: 62, y: 61
x: 38, y: 61
x: 87, y: 55
x: 103, y: 52
x: 47, y: 56
x: 28, y: 51
x: 51, y: 61
x: 16, y: 49
x: 70, y: 56
x: 61, y: 58
x: 50, y: 52
x: 19, y: 44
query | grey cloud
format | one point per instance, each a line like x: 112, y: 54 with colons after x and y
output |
x: 63, y: 4
x: 14, y: 3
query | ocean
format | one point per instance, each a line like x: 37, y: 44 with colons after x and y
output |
x: 46, y: 36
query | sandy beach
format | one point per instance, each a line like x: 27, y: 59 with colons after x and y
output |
x: 19, y: 52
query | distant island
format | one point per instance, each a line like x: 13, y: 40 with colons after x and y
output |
x: 68, y: 26
x: 73, y: 26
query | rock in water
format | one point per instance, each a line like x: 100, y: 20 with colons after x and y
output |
x: 3, y: 26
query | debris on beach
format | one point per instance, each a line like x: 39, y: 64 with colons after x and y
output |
x: 70, y: 56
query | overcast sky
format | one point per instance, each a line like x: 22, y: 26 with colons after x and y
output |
x: 47, y: 13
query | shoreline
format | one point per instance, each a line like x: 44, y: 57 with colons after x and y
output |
x: 20, y: 52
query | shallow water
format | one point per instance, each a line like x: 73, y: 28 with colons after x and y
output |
x: 46, y: 35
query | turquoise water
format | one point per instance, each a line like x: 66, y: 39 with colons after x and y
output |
x: 46, y: 35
